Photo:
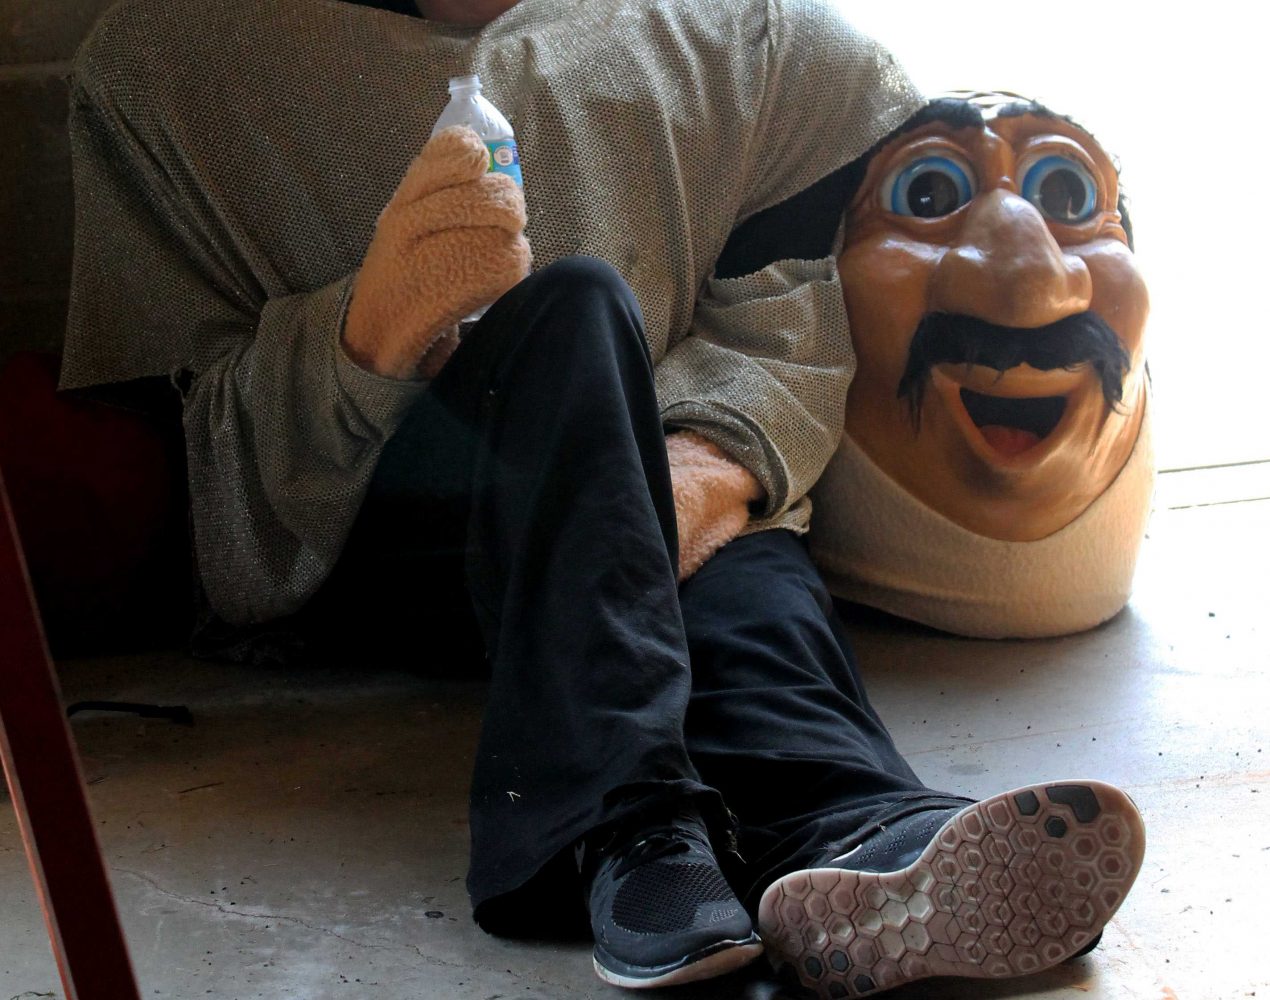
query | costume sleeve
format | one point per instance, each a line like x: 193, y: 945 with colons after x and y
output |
x: 282, y: 430
x: 282, y: 437
x: 764, y: 373
x: 764, y: 369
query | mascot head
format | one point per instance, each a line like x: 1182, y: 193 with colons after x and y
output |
x: 995, y: 477
x: 997, y: 314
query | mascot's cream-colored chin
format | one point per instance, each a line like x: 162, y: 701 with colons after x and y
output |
x: 878, y: 545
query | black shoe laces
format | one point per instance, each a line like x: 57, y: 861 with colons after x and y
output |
x: 653, y: 846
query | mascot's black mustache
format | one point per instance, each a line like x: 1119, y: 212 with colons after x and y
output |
x: 1084, y: 338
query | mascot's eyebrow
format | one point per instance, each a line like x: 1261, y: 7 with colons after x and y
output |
x: 1020, y: 108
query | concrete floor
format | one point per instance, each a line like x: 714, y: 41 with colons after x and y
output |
x: 307, y: 837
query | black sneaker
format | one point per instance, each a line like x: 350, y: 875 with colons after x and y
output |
x: 662, y: 912
x: 1007, y: 886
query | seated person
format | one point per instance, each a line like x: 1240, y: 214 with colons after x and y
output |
x: 604, y: 480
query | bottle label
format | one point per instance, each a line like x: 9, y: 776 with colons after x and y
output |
x: 504, y: 158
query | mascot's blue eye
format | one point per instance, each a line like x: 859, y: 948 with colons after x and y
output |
x: 929, y: 188
x: 1062, y: 189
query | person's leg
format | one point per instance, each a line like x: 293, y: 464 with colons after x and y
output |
x: 538, y: 454
x: 862, y: 878
x: 570, y: 561
x: 779, y: 720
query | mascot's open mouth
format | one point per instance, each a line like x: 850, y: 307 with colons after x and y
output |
x: 1012, y: 391
x: 1014, y: 418
x: 1013, y: 425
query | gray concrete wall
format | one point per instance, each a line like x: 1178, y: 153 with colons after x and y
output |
x: 37, y: 40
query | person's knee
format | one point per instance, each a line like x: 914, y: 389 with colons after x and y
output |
x: 753, y: 575
x: 578, y: 311
x: 584, y: 277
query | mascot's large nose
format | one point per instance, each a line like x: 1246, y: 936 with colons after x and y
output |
x: 1008, y: 269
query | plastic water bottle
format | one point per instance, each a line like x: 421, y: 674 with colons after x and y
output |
x: 469, y: 107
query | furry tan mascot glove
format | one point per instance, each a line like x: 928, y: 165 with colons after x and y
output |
x: 449, y: 241
x: 712, y: 497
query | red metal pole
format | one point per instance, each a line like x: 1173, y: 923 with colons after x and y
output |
x: 44, y: 778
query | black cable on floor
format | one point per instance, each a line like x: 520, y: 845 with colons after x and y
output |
x: 179, y: 714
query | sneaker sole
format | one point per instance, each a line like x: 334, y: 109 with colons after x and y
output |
x: 1009, y: 886
x: 717, y: 960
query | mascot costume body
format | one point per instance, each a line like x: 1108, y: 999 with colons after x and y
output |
x: 996, y: 473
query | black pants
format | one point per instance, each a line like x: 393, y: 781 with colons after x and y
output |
x: 525, y: 506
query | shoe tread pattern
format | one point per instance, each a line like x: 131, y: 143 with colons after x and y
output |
x: 1010, y: 885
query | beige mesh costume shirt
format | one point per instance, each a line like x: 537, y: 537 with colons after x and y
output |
x: 231, y: 159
